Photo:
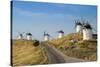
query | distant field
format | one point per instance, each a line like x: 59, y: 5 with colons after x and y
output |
x: 86, y: 50
x: 24, y: 53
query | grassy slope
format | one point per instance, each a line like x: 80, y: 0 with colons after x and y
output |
x: 86, y: 50
x: 66, y: 38
x: 24, y: 53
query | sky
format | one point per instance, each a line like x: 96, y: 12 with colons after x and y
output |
x: 37, y: 17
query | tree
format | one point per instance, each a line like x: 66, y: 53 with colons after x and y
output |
x: 36, y: 43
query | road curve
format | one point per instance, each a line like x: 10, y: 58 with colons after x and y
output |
x: 55, y: 56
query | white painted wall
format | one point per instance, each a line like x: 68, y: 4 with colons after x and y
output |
x: 20, y: 37
x: 60, y: 35
x: 46, y: 38
x: 28, y: 37
x: 87, y: 34
x: 78, y: 28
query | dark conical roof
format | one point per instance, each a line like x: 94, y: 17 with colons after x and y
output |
x: 78, y: 23
x: 61, y: 31
x: 87, y: 26
x: 46, y: 35
x: 29, y: 34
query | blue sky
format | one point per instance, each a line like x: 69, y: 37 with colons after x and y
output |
x: 37, y: 17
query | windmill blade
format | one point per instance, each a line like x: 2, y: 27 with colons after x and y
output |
x: 75, y: 23
x: 94, y: 29
x: 74, y: 27
x: 51, y: 37
x: 44, y: 33
x: 82, y: 20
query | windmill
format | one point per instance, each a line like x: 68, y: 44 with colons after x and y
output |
x: 87, y: 31
x: 85, y: 27
x: 78, y: 26
x: 20, y: 36
x: 60, y: 34
x: 46, y: 36
x: 28, y: 36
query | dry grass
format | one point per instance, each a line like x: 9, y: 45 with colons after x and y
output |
x: 86, y: 50
x: 24, y: 53
x: 65, y: 39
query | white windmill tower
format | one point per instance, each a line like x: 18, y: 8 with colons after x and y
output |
x: 28, y: 36
x: 87, y: 31
x: 78, y: 26
x: 60, y: 34
x: 20, y: 36
x: 46, y: 36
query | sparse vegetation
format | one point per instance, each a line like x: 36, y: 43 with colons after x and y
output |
x: 24, y: 53
x: 73, y: 45
x: 66, y: 39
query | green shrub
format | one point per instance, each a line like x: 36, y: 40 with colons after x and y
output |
x: 36, y: 43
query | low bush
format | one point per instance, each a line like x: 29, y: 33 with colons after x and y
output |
x: 36, y: 43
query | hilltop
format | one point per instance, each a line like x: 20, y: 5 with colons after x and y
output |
x: 25, y: 53
x: 73, y: 45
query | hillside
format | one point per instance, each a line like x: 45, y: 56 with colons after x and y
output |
x: 66, y: 40
x: 24, y: 53
x: 72, y: 45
